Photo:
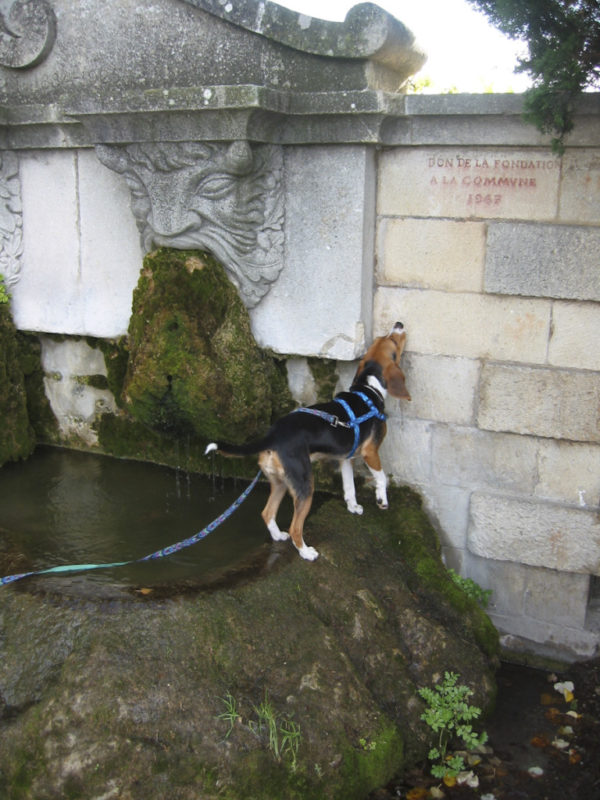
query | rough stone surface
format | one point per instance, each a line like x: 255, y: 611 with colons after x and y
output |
x: 432, y: 254
x: 70, y: 367
x: 560, y: 404
x: 124, y: 696
x: 535, y: 533
x: 441, y: 388
x: 543, y: 261
x: 569, y: 472
x: 579, y: 195
x: 81, y: 247
x: 477, y: 459
x: 473, y: 182
x: 575, y: 334
x: 329, y: 201
x: 467, y: 325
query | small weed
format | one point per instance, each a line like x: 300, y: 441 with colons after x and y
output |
x: 448, y: 714
x: 472, y: 589
x: 282, y: 733
x: 230, y: 715
x: 366, y: 745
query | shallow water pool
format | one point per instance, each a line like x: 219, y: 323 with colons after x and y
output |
x: 67, y: 507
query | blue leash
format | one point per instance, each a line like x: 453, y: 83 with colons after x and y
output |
x: 166, y: 551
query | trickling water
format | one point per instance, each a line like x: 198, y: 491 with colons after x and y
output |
x: 66, y: 507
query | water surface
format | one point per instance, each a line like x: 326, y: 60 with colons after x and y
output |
x: 67, y: 507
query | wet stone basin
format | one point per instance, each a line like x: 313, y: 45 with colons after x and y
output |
x: 67, y: 507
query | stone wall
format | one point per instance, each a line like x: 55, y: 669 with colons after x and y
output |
x: 338, y: 205
x: 489, y: 255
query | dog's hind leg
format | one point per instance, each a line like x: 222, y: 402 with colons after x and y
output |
x: 349, y: 490
x: 299, y: 479
x: 271, y: 466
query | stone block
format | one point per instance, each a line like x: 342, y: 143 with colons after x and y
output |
x: 479, y: 460
x: 527, y: 635
x: 468, y: 325
x: 484, y: 183
x: 301, y: 381
x: 432, y: 254
x: 46, y: 296
x: 111, y: 254
x: 569, y: 473
x: 406, y: 451
x: 442, y: 388
x: 321, y: 302
x: 75, y: 403
x: 579, y: 200
x: 575, y: 335
x: 534, y: 533
x: 449, y: 506
x: 506, y: 580
x: 559, y: 404
x: 557, y: 597
x: 82, y: 253
x: 543, y: 260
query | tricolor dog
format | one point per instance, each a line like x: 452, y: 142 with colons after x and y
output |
x: 350, y: 424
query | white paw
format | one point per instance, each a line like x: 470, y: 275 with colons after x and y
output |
x: 354, y: 507
x: 383, y: 504
x: 309, y: 553
x: 276, y: 534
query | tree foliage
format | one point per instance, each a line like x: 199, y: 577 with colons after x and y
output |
x: 563, y: 37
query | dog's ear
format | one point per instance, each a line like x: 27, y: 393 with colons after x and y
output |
x: 395, y: 381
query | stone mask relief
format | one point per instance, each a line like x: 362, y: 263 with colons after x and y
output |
x: 226, y: 198
x: 11, y: 219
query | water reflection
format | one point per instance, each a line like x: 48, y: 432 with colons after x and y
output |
x: 65, y: 507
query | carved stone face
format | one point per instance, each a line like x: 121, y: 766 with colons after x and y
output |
x: 226, y: 199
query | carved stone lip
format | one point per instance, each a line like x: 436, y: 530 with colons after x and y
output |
x: 368, y: 32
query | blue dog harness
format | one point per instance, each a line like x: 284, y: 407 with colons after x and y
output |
x: 353, y: 421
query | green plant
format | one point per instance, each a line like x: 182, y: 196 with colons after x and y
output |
x: 4, y: 295
x: 230, y: 715
x: 449, y: 715
x: 472, y: 589
x: 283, y: 734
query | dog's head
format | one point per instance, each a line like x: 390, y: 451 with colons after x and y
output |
x: 383, y: 359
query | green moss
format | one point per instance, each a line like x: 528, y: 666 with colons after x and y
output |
x: 17, y: 436
x: 325, y: 375
x: 420, y: 548
x: 194, y: 368
x: 116, y: 355
x: 372, y: 761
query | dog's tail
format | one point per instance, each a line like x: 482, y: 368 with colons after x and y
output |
x: 250, y: 449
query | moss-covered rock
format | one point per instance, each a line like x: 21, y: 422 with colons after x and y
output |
x: 17, y: 437
x: 194, y: 367
x: 128, y: 698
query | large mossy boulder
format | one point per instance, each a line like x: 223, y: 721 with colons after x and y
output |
x: 299, y: 683
x: 17, y: 437
x: 194, y: 367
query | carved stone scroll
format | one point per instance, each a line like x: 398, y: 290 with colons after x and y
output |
x: 27, y: 33
x: 11, y: 219
x: 226, y: 198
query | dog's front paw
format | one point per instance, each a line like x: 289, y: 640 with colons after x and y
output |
x: 383, y: 505
x: 309, y: 553
x: 276, y: 534
x: 354, y: 507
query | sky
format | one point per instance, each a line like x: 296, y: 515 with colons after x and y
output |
x: 465, y: 53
